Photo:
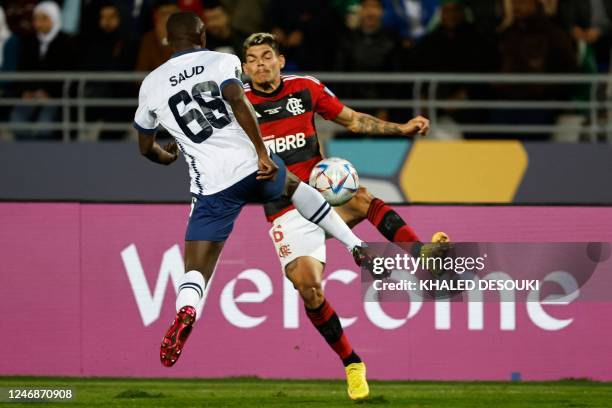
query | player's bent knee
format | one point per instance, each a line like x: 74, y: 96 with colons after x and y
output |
x: 307, y: 283
x: 309, y: 287
x: 311, y: 294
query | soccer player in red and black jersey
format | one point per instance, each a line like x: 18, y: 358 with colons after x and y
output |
x: 285, y: 108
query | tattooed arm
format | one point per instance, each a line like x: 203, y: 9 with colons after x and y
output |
x: 358, y: 122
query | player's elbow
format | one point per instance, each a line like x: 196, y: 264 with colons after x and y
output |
x: 352, y: 123
x: 353, y: 126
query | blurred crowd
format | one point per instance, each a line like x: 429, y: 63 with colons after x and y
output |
x: 504, y: 36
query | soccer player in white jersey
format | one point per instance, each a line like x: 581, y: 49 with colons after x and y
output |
x: 198, y: 97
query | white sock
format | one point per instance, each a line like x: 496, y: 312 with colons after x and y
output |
x: 191, y: 290
x: 312, y: 206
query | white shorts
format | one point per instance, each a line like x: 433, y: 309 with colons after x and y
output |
x: 295, y: 236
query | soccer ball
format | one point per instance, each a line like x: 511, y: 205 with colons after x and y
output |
x: 336, y: 179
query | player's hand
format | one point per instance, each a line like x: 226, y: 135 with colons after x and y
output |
x: 416, y: 126
x: 267, y: 168
x: 172, y: 150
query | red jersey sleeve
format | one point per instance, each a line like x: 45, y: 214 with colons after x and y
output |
x: 326, y: 103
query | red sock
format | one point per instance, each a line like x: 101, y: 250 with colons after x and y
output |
x: 389, y: 223
x: 326, y: 321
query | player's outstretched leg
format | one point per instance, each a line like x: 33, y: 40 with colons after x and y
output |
x: 386, y: 220
x: 395, y: 229
x: 200, y: 260
x: 305, y: 273
x: 390, y: 224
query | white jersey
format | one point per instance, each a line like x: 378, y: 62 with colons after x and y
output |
x: 184, y: 95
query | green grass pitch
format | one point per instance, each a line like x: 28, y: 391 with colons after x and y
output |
x: 253, y: 392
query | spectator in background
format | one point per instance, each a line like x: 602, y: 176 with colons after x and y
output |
x: 551, y: 9
x: 246, y: 16
x: 368, y: 48
x: 533, y: 44
x: 456, y: 46
x: 411, y: 18
x: 8, y: 45
x: 48, y: 50
x: 304, y: 29
x: 8, y: 60
x: 348, y: 10
x: 220, y: 36
x: 344, y: 7
x: 487, y: 14
x: 113, y: 48
x: 19, y: 15
x: 591, y: 26
x: 135, y: 14
x: 154, y: 49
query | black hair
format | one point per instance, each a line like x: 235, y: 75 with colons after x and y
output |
x: 184, y: 26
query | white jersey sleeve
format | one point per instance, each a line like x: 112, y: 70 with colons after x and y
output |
x: 145, y: 119
x: 230, y: 70
x: 185, y: 97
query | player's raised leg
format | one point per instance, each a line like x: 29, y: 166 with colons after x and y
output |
x: 200, y: 260
x: 386, y: 220
x: 380, y: 214
x: 390, y: 224
x: 306, y: 273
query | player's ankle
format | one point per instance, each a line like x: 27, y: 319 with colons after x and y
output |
x: 351, y: 359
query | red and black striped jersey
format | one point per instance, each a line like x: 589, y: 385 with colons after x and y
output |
x: 286, y: 118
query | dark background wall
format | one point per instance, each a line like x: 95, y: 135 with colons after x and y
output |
x: 116, y: 172
x: 88, y: 172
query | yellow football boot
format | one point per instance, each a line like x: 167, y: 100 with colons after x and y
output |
x: 356, y: 379
x: 440, y: 237
x: 439, y: 247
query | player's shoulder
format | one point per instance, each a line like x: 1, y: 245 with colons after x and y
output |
x: 306, y: 80
x: 295, y: 83
x: 150, y: 80
x: 221, y: 64
x: 220, y: 56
